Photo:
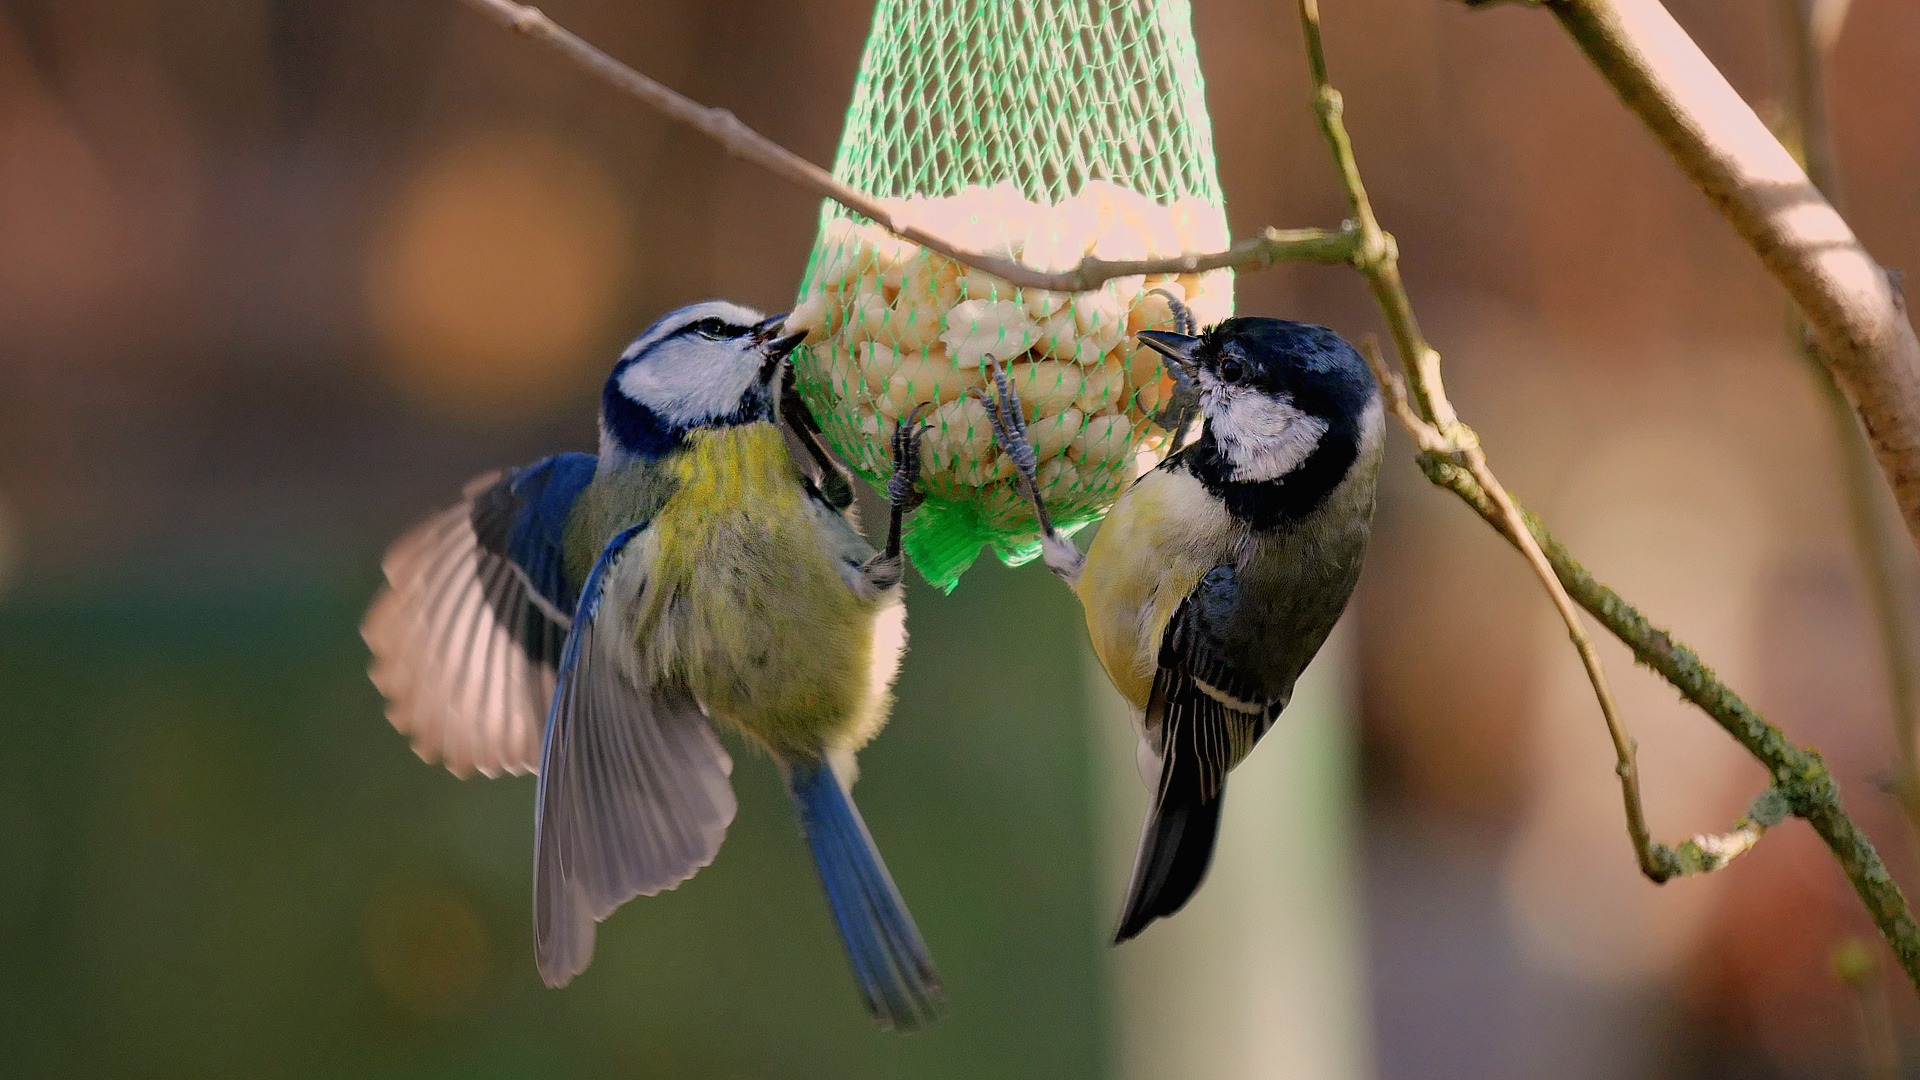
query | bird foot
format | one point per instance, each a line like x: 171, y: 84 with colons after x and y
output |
x: 1010, y: 431
x: 1010, y: 428
x: 902, y: 491
x: 886, y: 569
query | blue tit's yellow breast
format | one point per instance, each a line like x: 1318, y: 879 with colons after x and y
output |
x: 744, y: 603
x: 1156, y: 543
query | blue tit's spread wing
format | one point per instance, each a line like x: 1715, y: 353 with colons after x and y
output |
x: 634, y: 790
x: 523, y: 519
x: 1202, y: 718
x: 467, y: 632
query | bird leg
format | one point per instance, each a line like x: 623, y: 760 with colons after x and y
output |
x: 835, y: 486
x: 1184, y: 403
x: 887, y: 568
x: 1010, y: 431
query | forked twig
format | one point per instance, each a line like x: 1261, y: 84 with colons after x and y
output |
x: 1463, y: 446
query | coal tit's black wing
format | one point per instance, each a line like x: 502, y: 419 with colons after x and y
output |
x: 1203, y: 717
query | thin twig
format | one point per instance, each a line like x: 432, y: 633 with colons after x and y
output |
x: 1377, y: 256
x: 1269, y: 248
x: 1800, y: 88
x: 1707, y: 852
x: 1464, y: 447
x: 1801, y: 783
x: 1799, y: 774
x: 1853, y: 309
x: 1862, y: 487
x: 1443, y: 432
x: 1703, y: 853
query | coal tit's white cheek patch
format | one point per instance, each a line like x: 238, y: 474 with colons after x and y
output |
x: 1262, y: 435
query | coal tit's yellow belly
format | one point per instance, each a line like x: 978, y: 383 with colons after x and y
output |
x: 1156, y: 543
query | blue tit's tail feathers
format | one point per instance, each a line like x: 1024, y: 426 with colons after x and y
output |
x: 896, y: 975
x: 1176, y: 847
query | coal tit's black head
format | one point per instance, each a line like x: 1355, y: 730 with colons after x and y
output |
x: 1271, y: 391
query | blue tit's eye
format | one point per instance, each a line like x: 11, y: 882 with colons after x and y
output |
x: 1230, y: 370
x: 711, y: 329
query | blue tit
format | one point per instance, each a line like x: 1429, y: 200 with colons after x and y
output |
x: 1216, y: 577
x: 594, y: 619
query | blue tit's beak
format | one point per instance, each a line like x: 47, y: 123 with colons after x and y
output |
x: 776, y: 349
x: 767, y: 329
x: 1177, y: 351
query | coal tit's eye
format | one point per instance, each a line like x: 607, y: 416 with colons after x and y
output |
x: 1230, y: 370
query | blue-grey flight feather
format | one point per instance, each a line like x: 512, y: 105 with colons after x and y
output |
x: 634, y: 789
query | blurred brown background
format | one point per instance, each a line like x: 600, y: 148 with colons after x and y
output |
x: 277, y: 275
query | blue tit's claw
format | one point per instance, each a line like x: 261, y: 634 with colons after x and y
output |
x: 907, y: 434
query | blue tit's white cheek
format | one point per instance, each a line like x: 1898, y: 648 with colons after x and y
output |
x: 689, y: 380
x: 1263, y: 436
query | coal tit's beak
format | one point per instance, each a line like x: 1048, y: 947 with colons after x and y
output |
x: 1177, y: 351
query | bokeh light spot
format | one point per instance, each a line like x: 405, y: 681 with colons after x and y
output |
x: 427, y: 950
x: 496, y: 271
x: 59, y: 225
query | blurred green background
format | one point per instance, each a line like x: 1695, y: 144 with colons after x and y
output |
x: 221, y: 862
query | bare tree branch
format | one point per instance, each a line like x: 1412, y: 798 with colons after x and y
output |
x: 1800, y: 47
x: 1270, y: 247
x: 1855, y: 314
x: 1451, y: 457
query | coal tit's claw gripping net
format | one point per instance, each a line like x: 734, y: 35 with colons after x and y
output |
x: 1047, y: 130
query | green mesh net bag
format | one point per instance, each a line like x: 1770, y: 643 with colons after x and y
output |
x: 1045, y: 130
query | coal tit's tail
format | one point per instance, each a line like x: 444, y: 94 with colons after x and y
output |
x: 1176, y: 847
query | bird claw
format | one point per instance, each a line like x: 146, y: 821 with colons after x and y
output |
x: 901, y: 484
x: 1010, y: 431
x: 1009, y: 422
x: 1181, y: 405
x: 1183, y: 322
